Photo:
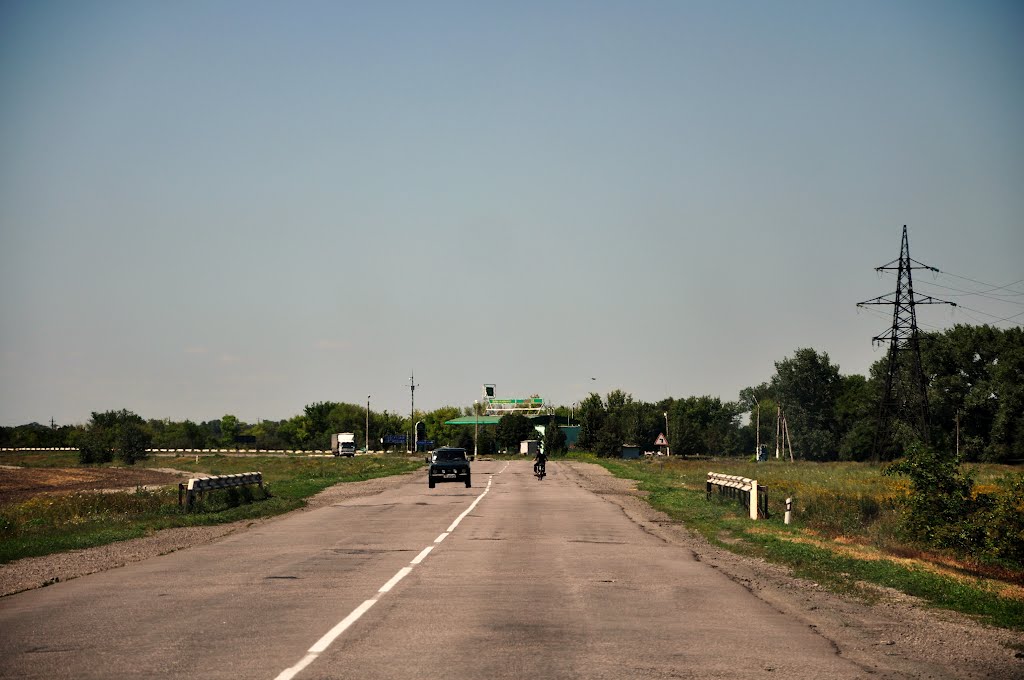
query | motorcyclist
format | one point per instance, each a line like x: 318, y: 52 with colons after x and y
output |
x: 539, y: 462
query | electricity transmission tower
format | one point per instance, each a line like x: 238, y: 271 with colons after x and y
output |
x: 906, y: 388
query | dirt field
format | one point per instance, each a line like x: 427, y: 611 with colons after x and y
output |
x: 20, y: 484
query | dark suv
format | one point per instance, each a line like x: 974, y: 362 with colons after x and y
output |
x: 448, y: 465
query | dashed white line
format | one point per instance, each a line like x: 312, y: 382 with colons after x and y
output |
x: 423, y: 555
x: 402, y: 573
x: 324, y: 642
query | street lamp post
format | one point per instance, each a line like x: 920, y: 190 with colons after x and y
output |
x: 668, y: 449
x: 367, y: 423
x: 476, y: 426
x: 757, y: 428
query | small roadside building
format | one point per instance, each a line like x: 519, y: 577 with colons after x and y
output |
x: 630, y: 452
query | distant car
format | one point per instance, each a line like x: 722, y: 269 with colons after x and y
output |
x: 448, y: 465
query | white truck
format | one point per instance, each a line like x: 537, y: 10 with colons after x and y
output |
x: 530, y: 447
x: 343, y: 444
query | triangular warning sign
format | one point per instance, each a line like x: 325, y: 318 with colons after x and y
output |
x: 661, y: 441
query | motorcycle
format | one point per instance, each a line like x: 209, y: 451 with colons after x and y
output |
x: 539, y: 471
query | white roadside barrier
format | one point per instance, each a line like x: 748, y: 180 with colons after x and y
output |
x: 187, y: 491
x: 743, y: 490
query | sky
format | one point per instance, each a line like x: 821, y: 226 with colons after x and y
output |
x: 229, y: 207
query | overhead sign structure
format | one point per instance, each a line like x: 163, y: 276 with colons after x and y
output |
x: 530, y: 406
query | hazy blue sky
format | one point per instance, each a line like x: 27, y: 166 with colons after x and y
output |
x: 246, y: 207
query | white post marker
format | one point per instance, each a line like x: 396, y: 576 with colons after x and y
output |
x: 789, y: 509
x: 753, y: 499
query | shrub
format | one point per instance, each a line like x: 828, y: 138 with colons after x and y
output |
x: 945, y: 510
x: 94, y: 448
x: 940, y: 494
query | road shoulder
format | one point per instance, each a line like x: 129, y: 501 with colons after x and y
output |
x: 895, y: 637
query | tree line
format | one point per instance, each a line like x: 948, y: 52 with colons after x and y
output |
x: 975, y: 378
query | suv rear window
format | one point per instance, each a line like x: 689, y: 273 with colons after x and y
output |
x: 449, y: 454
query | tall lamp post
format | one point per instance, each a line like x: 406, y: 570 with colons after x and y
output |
x: 668, y: 449
x: 476, y: 425
x: 757, y: 427
x: 367, y: 423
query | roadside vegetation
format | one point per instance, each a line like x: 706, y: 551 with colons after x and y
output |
x: 51, y: 523
x: 853, y: 529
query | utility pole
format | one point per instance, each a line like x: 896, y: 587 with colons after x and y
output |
x: 904, y: 341
x: 412, y: 410
x: 367, y: 423
x: 778, y: 428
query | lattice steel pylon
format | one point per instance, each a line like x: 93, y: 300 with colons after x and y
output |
x: 910, y: 401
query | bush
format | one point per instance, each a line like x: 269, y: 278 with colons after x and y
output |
x: 122, y: 432
x: 94, y: 448
x: 940, y: 494
x: 999, y: 521
x: 945, y: 510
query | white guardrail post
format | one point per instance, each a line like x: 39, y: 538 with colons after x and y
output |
x: 747, y: 491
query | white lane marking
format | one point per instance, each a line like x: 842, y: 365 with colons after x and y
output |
x: 324, y: 642
x: 289, y: 673
x: 423, y: 555
x: 402, y: 573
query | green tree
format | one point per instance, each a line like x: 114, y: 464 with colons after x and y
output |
x: 624, y: 421
x: 808, y: 385
x: 554, y: 438
x: 121, y: 433
x: 591, y: 416
x: 512, y: 429
x: 446, y: 435
x: 856, y: 417
x: 230, y: 428
x: 976, y: 380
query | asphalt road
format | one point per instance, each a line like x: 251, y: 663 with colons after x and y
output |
x: 513, y: 578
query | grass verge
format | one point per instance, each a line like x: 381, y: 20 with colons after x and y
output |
x: 56, y: 523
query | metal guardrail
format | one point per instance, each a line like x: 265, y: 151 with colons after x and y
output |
x: 187, y: 491
x: 745, y: 491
